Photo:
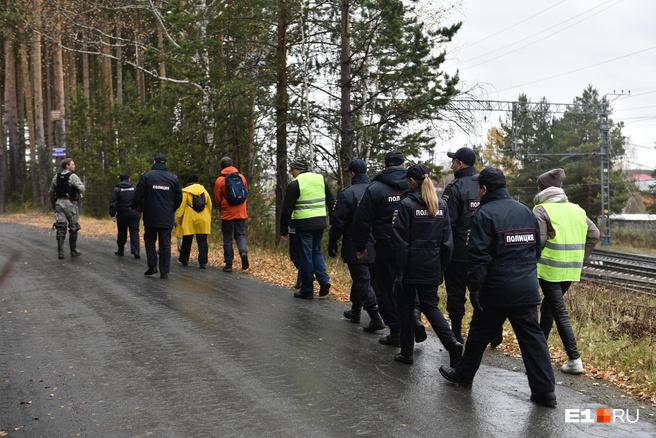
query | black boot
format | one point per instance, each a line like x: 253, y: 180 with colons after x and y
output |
x: 420, y: 330
x: 72, y: 242
x: 244, y: 261
x: 353, y: 315
x: 376, y: 322
x: 456, y: 328
x: 60, y: 247
x: 227, y: 267
x: 393, y: 339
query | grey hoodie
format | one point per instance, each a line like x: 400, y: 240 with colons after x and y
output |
x: 556, y: 194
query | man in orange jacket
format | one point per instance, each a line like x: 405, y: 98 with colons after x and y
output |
x: 230, y: 193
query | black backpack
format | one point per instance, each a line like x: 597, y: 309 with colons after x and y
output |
x: 198, y: 202
x: 236, y: 192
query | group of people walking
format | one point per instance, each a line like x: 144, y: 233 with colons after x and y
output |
x: 400, y: 241
x: 165, y: 205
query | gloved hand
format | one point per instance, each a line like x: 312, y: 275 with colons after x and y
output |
x: 475, y: 297
x: 332, y: 249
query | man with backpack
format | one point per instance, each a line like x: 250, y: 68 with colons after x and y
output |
x: 230, y: 193
x: 194, y: 218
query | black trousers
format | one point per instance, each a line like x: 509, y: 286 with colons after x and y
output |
x: 124, y: 224
x: 554, y: 308
x: 455, y: 280
x: 384, y: 276
x: 163, y: 237
x: 185, y: 248
x: 533, y: 345
x: 362, y: 292
x: 428, y: 299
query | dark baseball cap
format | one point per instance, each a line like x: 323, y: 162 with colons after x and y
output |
x: 159, y: 158
x: 357, y: 166
x: 491, y: 177
x: 466, y: 155
x: 394, y: 158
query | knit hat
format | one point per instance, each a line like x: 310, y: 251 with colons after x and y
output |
x: 394, y: 158
x: 357, y: 166
x: 418, y: 172
x: 226, y: 162
x: 299, y: 164
x: 552, y: 178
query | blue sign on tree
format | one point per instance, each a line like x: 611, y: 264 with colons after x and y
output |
x: 58, y: 152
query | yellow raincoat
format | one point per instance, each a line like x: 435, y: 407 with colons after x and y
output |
x: 187, y: 220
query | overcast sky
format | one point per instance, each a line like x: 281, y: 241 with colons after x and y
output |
x: 552, y: 37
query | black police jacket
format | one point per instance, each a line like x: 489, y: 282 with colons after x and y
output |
x: 422, y: 243
x: 462, y: 199
x: 342, y: 221
x: 377, y: 206
x: 503, y: 252
x: 120, y: 204
x: 158, y: 195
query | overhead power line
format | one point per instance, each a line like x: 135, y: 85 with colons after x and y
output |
x: 617, y: 58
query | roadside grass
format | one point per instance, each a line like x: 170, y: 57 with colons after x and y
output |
x: 615, y: 329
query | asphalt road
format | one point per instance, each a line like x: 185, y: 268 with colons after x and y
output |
x: 90, y: 347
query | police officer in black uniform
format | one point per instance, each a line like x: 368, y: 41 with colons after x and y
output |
x: 362, y: 292
x: 374, y: 216
x: 503, y: 252
x: 462, y: 199
x: 158, y: 195
x: 120, y: 208
x: 423, y: 244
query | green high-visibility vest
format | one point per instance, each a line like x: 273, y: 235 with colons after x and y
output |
x: 562, y: 257
x: 312, y: 202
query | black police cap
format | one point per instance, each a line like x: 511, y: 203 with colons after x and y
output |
x: 466, y: 155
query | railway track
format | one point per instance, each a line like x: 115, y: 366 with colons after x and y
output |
x: 633, y: 272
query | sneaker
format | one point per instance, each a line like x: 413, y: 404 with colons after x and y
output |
x: 573, y: 366
x: 451, y: 375
x: 227, y: 268
x: 324, y: 290
x: 404, y: 359
x: 244, y: 262
x: 151, y: 271
x: 75, y: 253
x: 547, y: 399
x: 303, y: 296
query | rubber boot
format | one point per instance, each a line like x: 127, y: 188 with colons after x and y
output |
x: 376, y: 322
x: 456, y: 328
x: 420, y: 330
x: 72, y: 241
x: 60, y: 247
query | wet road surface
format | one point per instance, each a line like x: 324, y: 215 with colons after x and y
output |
x: 90, y: 347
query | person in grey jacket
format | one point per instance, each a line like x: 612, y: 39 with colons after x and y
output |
x: 66, y: 191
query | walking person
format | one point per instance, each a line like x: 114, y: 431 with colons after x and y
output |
x: 423, y: 244
x: 194, y: 218
x: 362, y: 292
x: 158, y: 195
x: 66, y: 191
x: 230, y: 195
x: 567, y: 237
x: 503, y: 252
x: 120, y: 209
x: 374, y: 216
x: 462, y: 199
x: 307, y: 202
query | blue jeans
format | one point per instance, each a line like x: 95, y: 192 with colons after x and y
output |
x: 234, y: 228
x: 310, y: 259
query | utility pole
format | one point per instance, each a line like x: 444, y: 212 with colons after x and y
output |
x: 604, y: 153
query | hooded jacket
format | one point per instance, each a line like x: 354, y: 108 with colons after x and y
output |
x: 187, y: 220
x: 503, y: 251
x: 556, y: 194
x: 158, y: 195
x: 379, y: 202
x: 120, y: 204
x: 342, y: 221
x: 226, y: 211
x: 422, y: 243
